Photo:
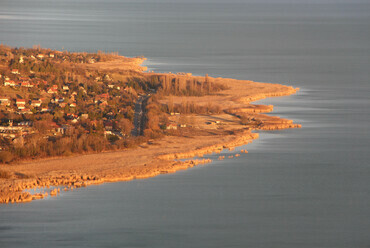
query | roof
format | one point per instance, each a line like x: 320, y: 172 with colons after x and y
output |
x: 104, y: 95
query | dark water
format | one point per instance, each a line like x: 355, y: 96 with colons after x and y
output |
x: 305, y: 187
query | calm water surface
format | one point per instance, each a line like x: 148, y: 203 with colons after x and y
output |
x: 305, y: 187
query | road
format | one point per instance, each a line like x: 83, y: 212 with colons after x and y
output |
x: 139, y: 116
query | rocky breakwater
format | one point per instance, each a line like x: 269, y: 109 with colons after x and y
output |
x: 275, y: 123
x: 183, y: 165
x: 283, y: 91
x: 250, y: 109
x: 13, y: 191
x: 279, y: 126
x: 239, y: 138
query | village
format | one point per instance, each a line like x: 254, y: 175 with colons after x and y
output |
x: 57, y: 103
x: 42, y: 91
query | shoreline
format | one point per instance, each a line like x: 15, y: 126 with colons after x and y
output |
x: 159, y: 157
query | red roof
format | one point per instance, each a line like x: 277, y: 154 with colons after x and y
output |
x: 51, y: 90
x: 105, y: 95
x: 53, y: 124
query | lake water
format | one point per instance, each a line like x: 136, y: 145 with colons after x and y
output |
x: 304, y: 187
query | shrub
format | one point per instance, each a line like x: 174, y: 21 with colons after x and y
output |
x: 244, y: 120
x: 4, y: 174
x: 112, y: 138
x: 6, y: 157
x: 22, y: 175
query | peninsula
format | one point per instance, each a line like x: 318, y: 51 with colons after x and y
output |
x: 77, y: 119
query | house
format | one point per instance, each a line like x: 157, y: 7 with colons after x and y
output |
x: 52, y: 126
x: 40, y: 56
x: 42, y: 82
x: 25, y: 111
x: 108, y: 125
x: 65, y: 88
x: 108, y: 132
x: 60, y: 129
x: 71, y: 116
x: 36, y: 103
x: 62, y: 104
x: 171, y: 126
x: 103, y: 96
x: 84, y: 116
x: 4, y: 101
x: 26, y: 84
x: 64, y: 128
x: 110, y: 115
x: 51, y: 55
x: 20, y: 102
x: 21, y: 106
x: 52, y: 91
x: 74, y: 121
x: 25, y: 123
x: 94, y: 123
x: 83, y: 90
x: 15, y: 71
x: 73, y: 105
x: 103, y: 103
x: 10, y: 83
x: 45, y: 110
x: 128, y: 89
